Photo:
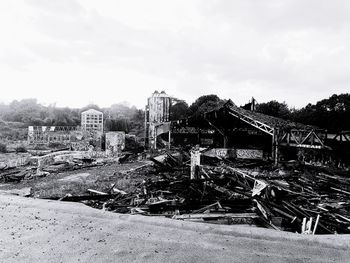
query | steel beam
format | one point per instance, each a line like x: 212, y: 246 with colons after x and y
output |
x: 257, y: 124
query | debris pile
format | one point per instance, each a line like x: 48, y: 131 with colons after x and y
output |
x: 312, y: 203
x: 54, y: 162
x: 292, y: 197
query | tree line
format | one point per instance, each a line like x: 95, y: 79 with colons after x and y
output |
x: 332, y: 113
x: 117, y: 117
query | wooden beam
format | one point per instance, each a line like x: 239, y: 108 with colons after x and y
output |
x: 96, y: 192
x: 216, y: 215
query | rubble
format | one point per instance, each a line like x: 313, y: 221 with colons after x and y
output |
x: 293, y: 196
x: 54, y: 162
x: 315, y: 203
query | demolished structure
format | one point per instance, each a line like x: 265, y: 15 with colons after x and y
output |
x: 247, y: 134
x: 52, y: 134
x: 157, y: 118
x: 226, y: 166
x: 115, y: 143
x: 302, y: 199
x: 76, y: 137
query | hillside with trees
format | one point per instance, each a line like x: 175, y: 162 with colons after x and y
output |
x: 332, y: 114
x: 18, y: 115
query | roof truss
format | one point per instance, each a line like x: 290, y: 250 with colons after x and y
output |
x: 255, y: 123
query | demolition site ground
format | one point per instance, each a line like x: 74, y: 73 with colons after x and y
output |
x: 148, y: 209
x: 76, y: 181
x: 292, y: 197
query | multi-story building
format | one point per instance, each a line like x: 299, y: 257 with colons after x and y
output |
x: 92, y: 120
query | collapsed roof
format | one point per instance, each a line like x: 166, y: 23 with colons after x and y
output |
x: 284, y: 133
x: 266, y: 120
x: 261, y: 121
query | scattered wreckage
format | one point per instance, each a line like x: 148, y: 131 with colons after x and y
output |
x: 294, y: 197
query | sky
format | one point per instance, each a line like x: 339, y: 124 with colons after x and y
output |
x: 76, y: 52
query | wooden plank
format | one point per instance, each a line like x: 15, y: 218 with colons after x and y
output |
x: 340, y: 190
x: 96, y: 192
x: 216, y: 215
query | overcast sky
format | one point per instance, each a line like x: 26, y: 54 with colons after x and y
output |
x: 74, y: 52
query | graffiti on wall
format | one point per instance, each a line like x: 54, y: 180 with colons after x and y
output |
x: 249, y: 154
x: 221, y: 152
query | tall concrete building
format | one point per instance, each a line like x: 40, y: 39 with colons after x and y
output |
x: 157, y: 117
x: 158, y: 107
x: 92, y: 120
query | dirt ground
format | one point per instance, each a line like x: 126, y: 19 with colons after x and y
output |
x: 76, y: 182
x: 34, y: 230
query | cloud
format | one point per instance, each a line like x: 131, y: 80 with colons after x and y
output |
x: 293, y: 51
x: 287, y: 15
x: 62, y: 7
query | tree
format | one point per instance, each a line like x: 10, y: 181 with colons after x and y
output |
x: 117, y: 125
x: 204, y: 104
x: 24, y: 111
x: 247, y: 106
x: 179, y: 111
x: 332, y: 113
x: 91, y: 106
x: 121, y: 110
x: 274, y: 108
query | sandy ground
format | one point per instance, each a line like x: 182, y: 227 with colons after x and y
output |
x: 34, y: 230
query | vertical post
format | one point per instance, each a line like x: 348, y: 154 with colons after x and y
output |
x: 225, y: 141
x: 147, y: 126
x: 275, y: 146
x: 316, y: 223
x: 303, y: 226
x: 169, y: 138
x: 195, y: 162
x: 155, y: 137
x: 38, y: 169
x: 309, y: 226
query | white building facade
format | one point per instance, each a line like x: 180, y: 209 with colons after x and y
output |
x: 92, y: 120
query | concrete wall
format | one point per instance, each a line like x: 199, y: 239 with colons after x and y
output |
x: 115, y: 142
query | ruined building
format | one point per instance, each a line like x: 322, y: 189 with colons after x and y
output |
x: 235, y: 132
x: 52, y: 134
x: 78, y: 137
x: 92, y: 120
x: 157, y: 118
x: 231, y: 131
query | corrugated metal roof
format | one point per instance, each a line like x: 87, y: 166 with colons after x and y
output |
x: 271, y: 121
